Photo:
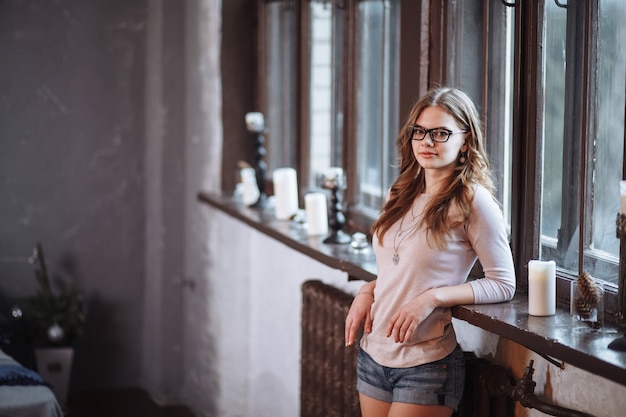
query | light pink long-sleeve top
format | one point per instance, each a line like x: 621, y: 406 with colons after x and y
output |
x: 421, y: 267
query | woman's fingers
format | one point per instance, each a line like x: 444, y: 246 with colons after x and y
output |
x: 367, y: 328
x: 353, y: 321
x: 401, y: 327
x: 395, y: 326
x: 350, y: 331
x: 359, y: 313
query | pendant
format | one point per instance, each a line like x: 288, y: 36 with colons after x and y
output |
x: 395, y: 258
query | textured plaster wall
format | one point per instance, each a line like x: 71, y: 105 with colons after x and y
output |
x: 204, y: 134
x: 72, y: 142
x: 249, y: 336
x: 110, y: 123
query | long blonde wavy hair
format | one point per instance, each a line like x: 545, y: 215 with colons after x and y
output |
x: 459, y: 187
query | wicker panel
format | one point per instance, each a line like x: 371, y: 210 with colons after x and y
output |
x: 328, y: 367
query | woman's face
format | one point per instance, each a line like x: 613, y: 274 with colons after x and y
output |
x: 438, y: 156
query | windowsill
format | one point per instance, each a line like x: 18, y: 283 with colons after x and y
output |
x: 554, y: 336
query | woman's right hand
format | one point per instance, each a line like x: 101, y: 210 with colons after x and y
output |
x: 359, y: 312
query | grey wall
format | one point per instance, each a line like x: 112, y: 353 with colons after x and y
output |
x: 111, y: 121
x: 72, y: 163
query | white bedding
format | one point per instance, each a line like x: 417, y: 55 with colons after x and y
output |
x: 26, y: 401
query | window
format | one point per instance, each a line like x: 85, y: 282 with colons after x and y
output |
x: 583, y: 136
x: 482, y: 65
x: 377, y: 93
x: 325, y: 88
x: 278, y: 21
x: 606, y: 137
x: 549, y: 78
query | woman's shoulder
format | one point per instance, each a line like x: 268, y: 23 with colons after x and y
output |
x: 484, y: 199
x: 481, y: 191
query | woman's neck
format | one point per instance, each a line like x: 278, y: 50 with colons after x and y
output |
x: 435, y: 181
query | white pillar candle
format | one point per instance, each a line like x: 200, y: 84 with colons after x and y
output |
x: 255, y: 122
x: 333, y: 172
x: 286, y: 192
x: 249, y: 187
x: 332, y: 176
x: 316, y: 213
x: 622, y: 194
x: 541, y: 288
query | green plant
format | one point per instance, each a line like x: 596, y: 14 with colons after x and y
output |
x: 49, y: 319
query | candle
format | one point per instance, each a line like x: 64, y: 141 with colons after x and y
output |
x: 255, y: 122
x: 332, y: 178
x: 541, y: 288
x: 249, y: 188
x: 316, y: 213
x: 286, y: 192
x: 333, y: 172
x: 622, y: 194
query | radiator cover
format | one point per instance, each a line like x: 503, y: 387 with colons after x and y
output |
x: 328, y: 367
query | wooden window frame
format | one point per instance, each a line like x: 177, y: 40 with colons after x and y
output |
x: 428, y: 59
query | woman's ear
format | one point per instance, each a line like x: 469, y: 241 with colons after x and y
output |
x: 466, y: 137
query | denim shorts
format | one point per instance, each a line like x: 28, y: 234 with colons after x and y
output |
x: 436, y: 383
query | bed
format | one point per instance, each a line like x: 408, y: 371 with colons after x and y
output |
x: 23, y: 393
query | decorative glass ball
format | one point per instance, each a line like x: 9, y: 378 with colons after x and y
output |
x: 16, y: 312
x: 55, y: 333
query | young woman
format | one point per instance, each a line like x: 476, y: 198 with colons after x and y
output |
x: 439, y: 218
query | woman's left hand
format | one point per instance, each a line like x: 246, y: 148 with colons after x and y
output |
x: 409, y: 316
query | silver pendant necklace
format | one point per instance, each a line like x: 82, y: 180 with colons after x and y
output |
x: 403, y: 234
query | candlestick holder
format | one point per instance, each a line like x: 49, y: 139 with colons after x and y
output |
x: 335, y: 181
x: 255, y: 122
x: 619, y: 344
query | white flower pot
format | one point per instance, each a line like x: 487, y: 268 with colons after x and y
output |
x: 55, y: 367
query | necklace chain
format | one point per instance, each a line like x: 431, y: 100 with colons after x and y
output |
x: 403, y: 234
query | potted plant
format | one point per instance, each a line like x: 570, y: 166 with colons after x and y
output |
x: 52, y: 322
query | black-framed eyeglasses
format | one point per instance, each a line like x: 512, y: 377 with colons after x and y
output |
x: 437, y: 134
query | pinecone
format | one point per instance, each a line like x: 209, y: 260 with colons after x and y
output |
x: 583, y: 308
x: 588, y: 290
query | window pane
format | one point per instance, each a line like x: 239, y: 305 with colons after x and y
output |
x: 554, y: 82
x: 469, y: 44
x: 564, y: 136
x: 280, y: 88
x: 377, y: 98
x: 608, y: 136
x: 321, y: 87
x: 495, y: 101
x: 504, y: 171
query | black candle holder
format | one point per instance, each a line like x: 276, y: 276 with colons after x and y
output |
x: 260, y: 169
x: 619, y: 344
x: 255, y: 123
x: 335, y: 182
